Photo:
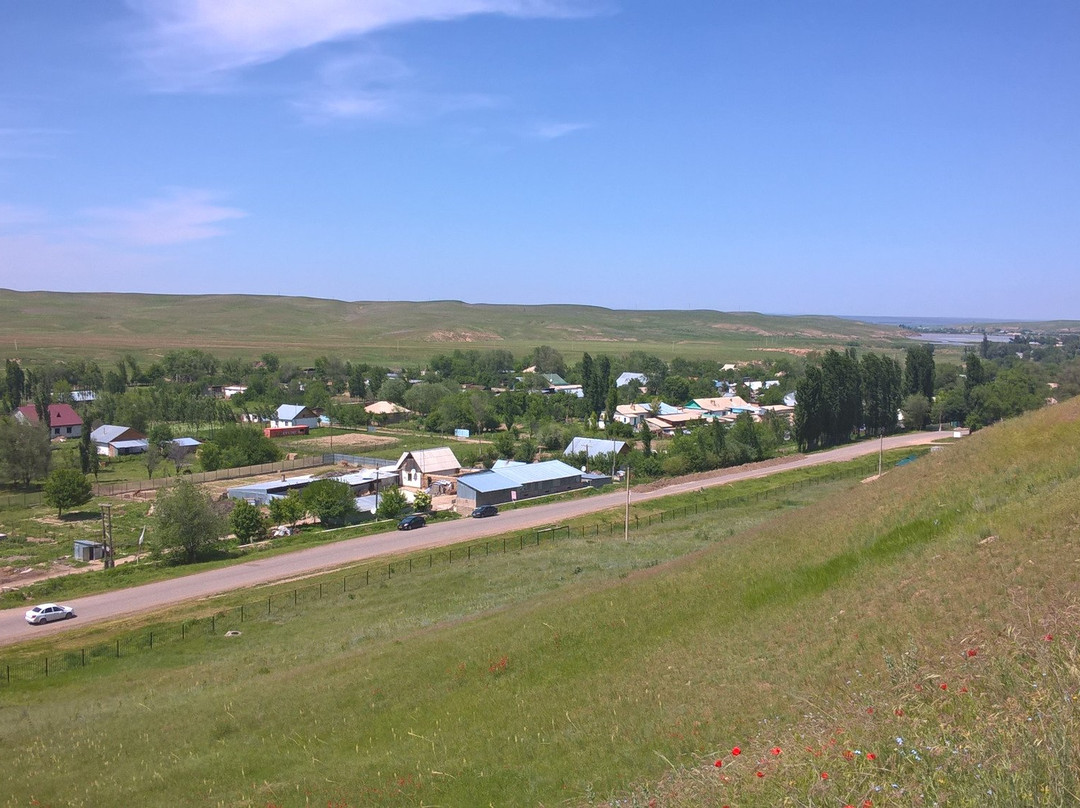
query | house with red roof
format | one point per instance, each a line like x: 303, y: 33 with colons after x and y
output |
x: 64, y: 422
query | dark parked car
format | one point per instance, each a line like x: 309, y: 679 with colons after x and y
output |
x: 411, y: 521
x: 485, y: 510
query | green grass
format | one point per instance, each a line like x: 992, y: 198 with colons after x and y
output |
x: 822, y: 629
x: 106, y: 326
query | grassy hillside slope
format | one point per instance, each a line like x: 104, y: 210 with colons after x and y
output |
x: 910, y: 641
x: 106, y: 325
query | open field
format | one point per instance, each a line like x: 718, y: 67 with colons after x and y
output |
x: 106, y: 326
x: 926, y: 619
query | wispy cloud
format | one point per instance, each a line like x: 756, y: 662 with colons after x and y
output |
x: 18, y: 217
x: 193, y: 44
x: 551, y: 131
x: 180, y: 216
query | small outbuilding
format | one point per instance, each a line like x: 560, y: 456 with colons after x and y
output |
x: 86, y: 550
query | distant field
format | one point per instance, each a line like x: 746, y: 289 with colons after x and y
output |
x: 42, y: 325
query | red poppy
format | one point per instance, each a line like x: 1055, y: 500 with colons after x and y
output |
x: 824, y: 775
x: 963, y: 690
x: 849, y: 755
x: 973, y: 651
x: 718, y: 764
x: 871, y: 756
x: 918, y: 688
x: 1049, y: 637
x: 775, y: 751
x: 867, y: 804
x: 899, y: 712
x: 760, y: 774
x: 736, y: 751
x: 869, y: 710
x: 944, y: 686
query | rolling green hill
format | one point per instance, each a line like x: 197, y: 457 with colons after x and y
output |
x: 100, y: 325
x: 906, y: 641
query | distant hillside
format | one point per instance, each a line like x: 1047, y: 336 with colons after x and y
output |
x: 105, y: 325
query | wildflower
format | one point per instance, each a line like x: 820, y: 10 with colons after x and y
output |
x: 736, y: 751
x: 871, y: 756
x: 759, y: 774
x: 944, y: 686
x: 869, y: 710
x: 899, y: 712
x: 918, y: 688
x: 849, y: 755
x: 972, y: 652
x: 899, y: 740
x: 963, y: 690
x: 867, y: 804
x: 1049, y: 637
x: 824, y: 775
x: 718, y: 764
x: 775, y: 751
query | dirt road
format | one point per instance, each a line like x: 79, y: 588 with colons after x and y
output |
x: 148, y: 597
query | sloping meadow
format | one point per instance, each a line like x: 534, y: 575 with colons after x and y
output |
x: 910, y: 641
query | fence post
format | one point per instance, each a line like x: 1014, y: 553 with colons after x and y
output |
x: 84, y: 657
x: 183, y: 631
x: 294, y: 597
x: 213, y: 624
x: 451, y: 555
x: 118, y: 649
x: 469, y: 551
x: 151, y: 641
x: 46, y: 667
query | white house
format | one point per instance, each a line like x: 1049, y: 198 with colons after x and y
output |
x: 295, y: 415
x: 418, y: 467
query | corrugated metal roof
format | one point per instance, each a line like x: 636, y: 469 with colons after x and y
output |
x: 594, y: 446
x: 538, y: 472
x: 287, y: 412
x: 131, y: 444
x: 487, y: 481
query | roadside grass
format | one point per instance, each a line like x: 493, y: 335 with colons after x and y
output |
x: 628, y: 688
x: 56, y: 539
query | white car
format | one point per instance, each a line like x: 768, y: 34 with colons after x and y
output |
x: 47, y: 612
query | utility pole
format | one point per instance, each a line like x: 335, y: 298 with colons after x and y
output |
x: 626, y: 520
x: 106, y: 536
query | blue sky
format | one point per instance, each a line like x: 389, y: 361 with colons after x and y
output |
x: 890, y: 158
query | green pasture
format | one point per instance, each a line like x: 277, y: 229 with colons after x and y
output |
x: 906, y: 641
x: 104, y: 327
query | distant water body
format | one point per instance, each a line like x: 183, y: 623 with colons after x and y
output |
x: 957, y: 339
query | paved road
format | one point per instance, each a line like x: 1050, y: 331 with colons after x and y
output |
x: 148, y: 597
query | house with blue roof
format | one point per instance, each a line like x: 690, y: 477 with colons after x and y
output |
x: 512, y: 482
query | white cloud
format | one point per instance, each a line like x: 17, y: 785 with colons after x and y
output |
x: 180, y: 216
x: 197, y: 43
x: 14, y: 217
x: 551, y: 131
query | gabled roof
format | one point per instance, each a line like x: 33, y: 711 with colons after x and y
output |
x: 538, y: 472
x: 487, y: 481
x: 187, y: 443
x: 554, y: 379
x: 290, y: 412
x: 386, y: 408
x: 59, y: 415
x: 108, y: 433
x: 627, y: 377
x: 431, y: 460
x: 594, y: 446
x: 508, y: 478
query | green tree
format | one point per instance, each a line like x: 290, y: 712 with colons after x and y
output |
x: 809, y: 410
x: 25, y: 452
x: 331, y: 501
x: 185, y: 522
x: 422, y: 501
x: 66, y: 488
x: 247, y: 522
x: 287, y: 510
x: 919, y: 370
x: 916, y: 409
x: 392, y: 504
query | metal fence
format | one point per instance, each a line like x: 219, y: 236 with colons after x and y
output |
x: 131, y: 486
x: 304, y: 598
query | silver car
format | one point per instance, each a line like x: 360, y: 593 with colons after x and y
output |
x: 48, y: 612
